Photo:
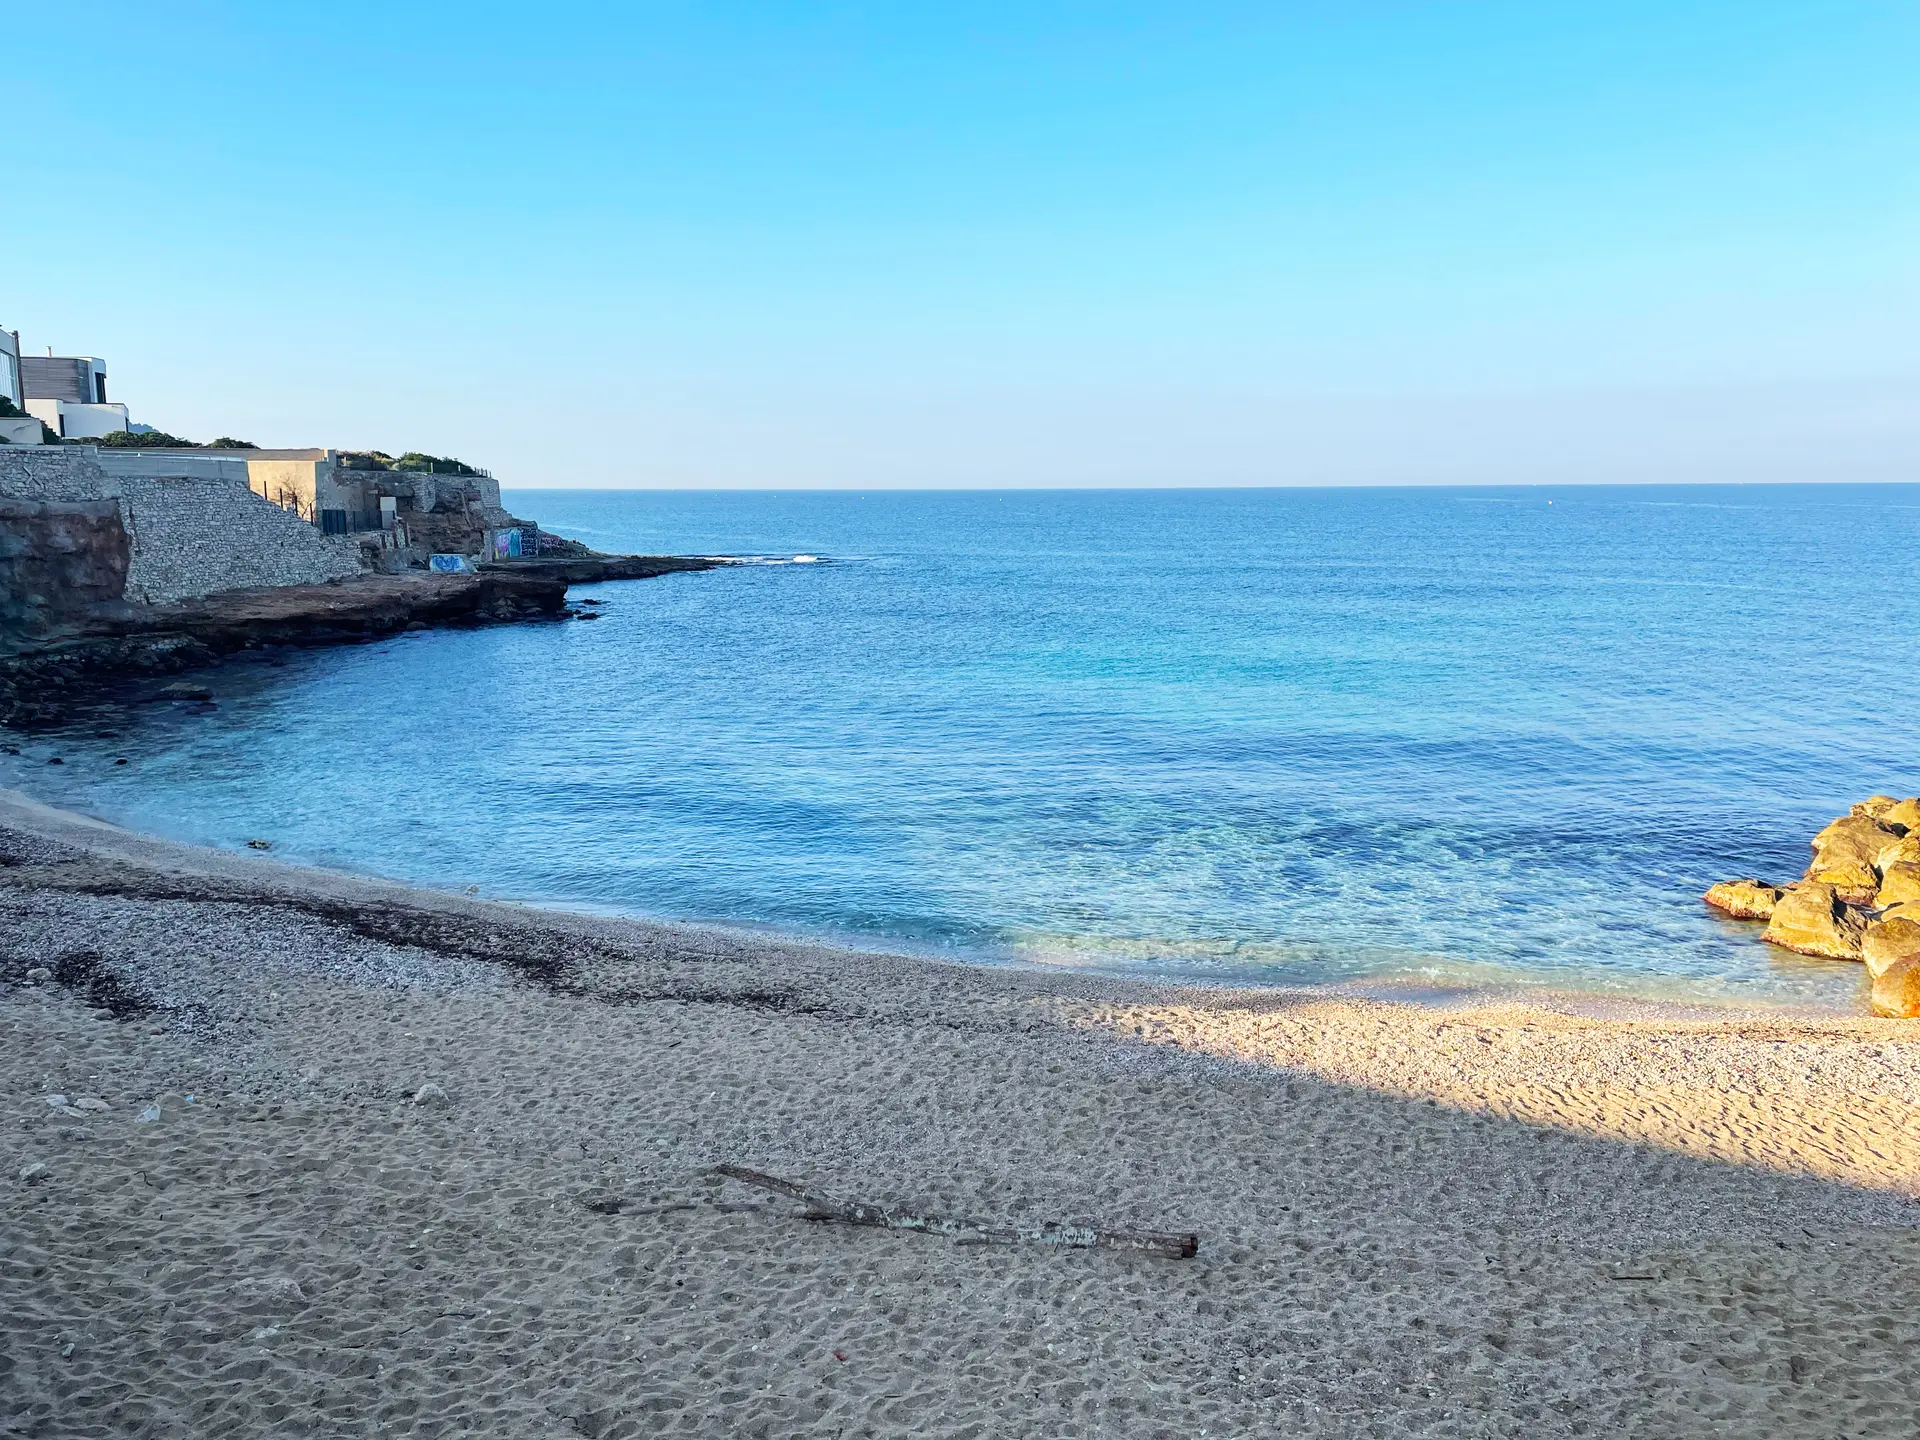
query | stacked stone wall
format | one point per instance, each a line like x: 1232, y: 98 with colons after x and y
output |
x: 196, y: 537
x: 190, y: 535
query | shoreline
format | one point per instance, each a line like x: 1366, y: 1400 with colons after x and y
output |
x: 1687, y: 998
x: 448, y: 1162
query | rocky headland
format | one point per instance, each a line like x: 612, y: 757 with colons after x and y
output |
x: 42, y: 676
x: 1859, y: 900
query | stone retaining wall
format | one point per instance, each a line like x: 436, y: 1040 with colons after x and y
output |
x: 191, y: 534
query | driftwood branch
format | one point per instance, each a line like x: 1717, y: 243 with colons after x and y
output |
x: 970, y: 1232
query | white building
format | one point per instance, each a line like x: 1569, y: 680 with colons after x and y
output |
x: 14, y: 430
x: 68, y: 394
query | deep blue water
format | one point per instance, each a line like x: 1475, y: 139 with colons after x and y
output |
x: 1449, y: 735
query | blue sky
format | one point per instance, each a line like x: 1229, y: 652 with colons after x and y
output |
x: 1034, y: 244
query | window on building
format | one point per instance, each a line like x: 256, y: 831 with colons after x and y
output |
x: 99, y: 387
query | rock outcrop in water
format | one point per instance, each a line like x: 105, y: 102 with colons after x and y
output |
x: 1744, y: 899
x: 1858, y: 900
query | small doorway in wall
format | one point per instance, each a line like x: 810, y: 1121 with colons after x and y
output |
x: 99, y: 387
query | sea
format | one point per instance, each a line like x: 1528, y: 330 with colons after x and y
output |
x: 1432, y: 742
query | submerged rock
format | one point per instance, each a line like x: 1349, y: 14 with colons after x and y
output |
x: 1889, y: 940
x: 1813, y: 920
x: 1744, y: 899
x: 1897, y: 992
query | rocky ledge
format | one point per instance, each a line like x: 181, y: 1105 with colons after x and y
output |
x: 1858, y: 900
x: 40, y: 679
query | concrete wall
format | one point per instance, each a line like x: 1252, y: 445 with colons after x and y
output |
x: 193, y: 525
x: 290, y: 484
x: 17, y: 431
x: 75, y: 421
x: 183, y: 464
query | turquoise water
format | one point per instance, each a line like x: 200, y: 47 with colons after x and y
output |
x: 1439, y: 736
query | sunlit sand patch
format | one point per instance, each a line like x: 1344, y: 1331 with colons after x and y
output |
x: 1835, y: 1099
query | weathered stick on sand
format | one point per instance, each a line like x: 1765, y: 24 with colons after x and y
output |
x: 1078, y: 1237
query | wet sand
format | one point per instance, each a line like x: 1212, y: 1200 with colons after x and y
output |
x: 1479, y: 1220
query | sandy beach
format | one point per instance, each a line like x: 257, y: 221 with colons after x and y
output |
x: 297, y: 1153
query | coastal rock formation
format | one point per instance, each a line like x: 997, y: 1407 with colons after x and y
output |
x: 1889, y: 940
x: 1859, y: 900
x: 1813, y: 920
x: 1899, y: 884
x: 1846, y: 853
x: 1744, y: 899
x: 1897, y: 992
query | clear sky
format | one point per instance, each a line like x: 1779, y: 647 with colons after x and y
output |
x: 988, y: 244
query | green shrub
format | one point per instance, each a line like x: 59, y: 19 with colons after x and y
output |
x: 9, y: 410
x: 433, y: 464
x: 149, y: 440
x: 227, y: 442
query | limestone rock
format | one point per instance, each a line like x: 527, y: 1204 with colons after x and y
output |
x: 1874, y: 807
x: 1889, y: 940
x: 1812, y: 920
x: 431, y: 1097
x: 1744, y: 899
x: 1906, y: 813
x: 33, y: 1172
x: 1843, y: 856
x: 1906, y: 848
x: 1899, y: 885
x: 1897, y: 991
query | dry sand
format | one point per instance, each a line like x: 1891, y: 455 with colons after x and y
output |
x: 1460, y: 1222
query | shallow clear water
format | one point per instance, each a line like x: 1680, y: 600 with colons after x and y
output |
x: 1453, y: 736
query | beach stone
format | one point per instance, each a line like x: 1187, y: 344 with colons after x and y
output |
x: 1896, y: 992
x: 56, y: 1102
x: 1906, y: 813
x: 39, y: 975
x: 33, y: 1172
x: 1843, y: 856
x: 91, y: 1103
x: 1812, y: 920
x: 1889, y: 940
x: 1744, y: 899
x: 74, y: 1132
x: 1904, y: 850
x: 431, y: 1097
x: 1875, y: 807
x: 1899, y: 885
